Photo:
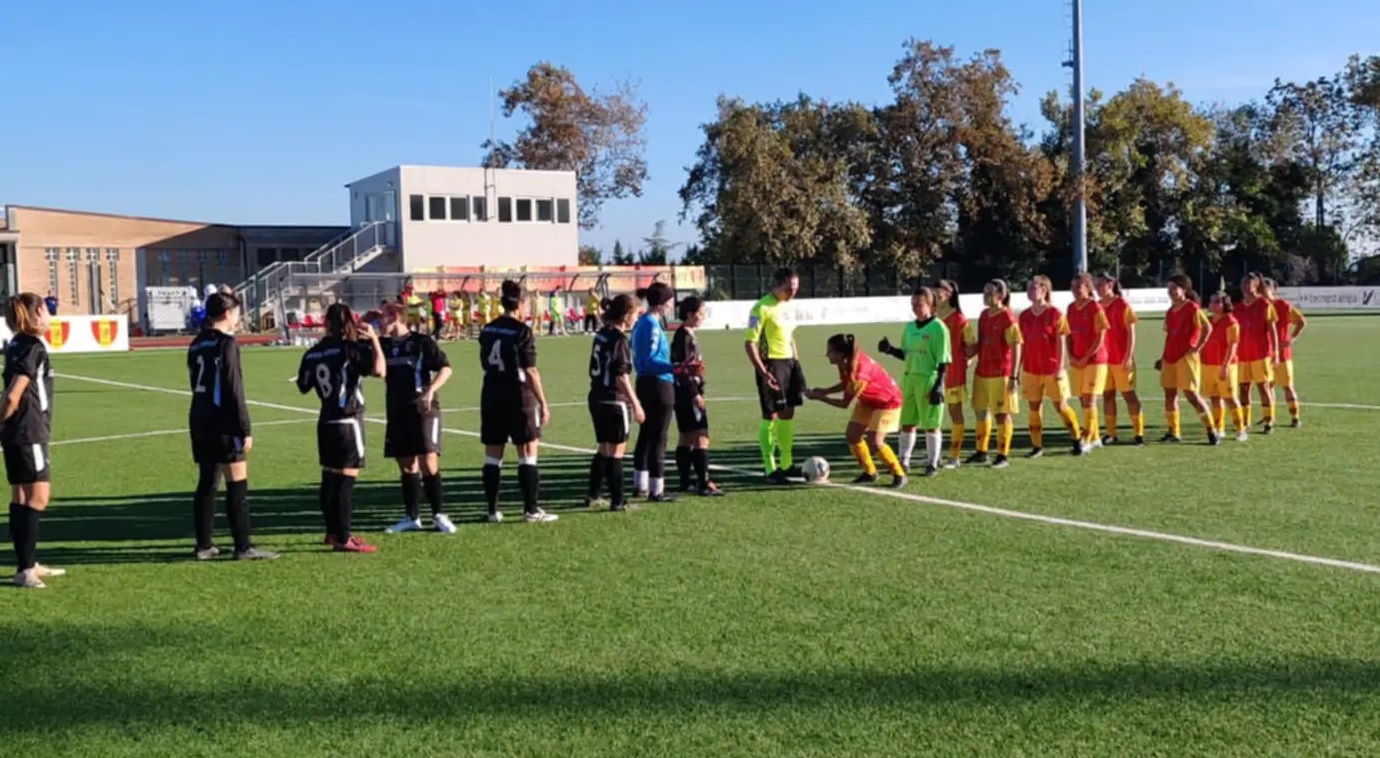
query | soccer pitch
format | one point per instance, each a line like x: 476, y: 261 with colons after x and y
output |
x: 1168, y: 600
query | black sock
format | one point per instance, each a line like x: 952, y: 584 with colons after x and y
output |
x: 431, y: 485
x: 330, y: 490
x: 529, y: 481
x: 683, y: 465
x: 596, y: 476
x: 237, y: 513
x: 204, y: 505
x: 412, y: 494
x: 700, y: 457
x: 24, y: 535
x: 345, y: 505
x: 493, y: 476
x: 613, y: 477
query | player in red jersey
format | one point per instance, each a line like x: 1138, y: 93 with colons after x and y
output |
x: 1219, y: 367
x: 1121, y: 360
x: 962, y: 337
x: 876, y: 413
x: 1186, y: 330
x: 1287, y: 317
x: 1087, y: 352
x: 1043, y: 328
x: 1259, y: 346
x: 998, y: 353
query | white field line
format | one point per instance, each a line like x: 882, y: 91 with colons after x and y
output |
x: 1145, y: 534
x: 162, y: 432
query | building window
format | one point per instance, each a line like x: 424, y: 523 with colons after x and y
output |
x: 437, y: 206
x: 524, y: 209
x: 112, y: 262
x: 266, y: 256
x: 505, y: 210
x: 73, y: 256
x: 416, y: 207
x: 563, y: 211
x: 290, y: 254
x: 52, y: 254
x: 481, y: 208
x: 544, y: 212
x: 459, y: 209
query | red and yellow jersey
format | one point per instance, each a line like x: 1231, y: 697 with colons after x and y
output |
x: 1286, y: 316
x: 1226, y: 331
x: 1085, y: 321
x: 997, y: 336
x: 869, y: 383
x: 1042, y: 333
x: 961, y: 335
x: 1183, y: 326
x: 1257, y: 318
x: 1120, y: 318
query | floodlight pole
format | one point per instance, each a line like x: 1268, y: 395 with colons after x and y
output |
x: 1077, y: 166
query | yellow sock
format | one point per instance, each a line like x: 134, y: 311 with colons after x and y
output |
x: 1267, y: 413
x: 1172, y: 419
x: 956, y: 442
x: 1238, y: 419
x: 1037, y: 428
x: 1206, y: 418
x: 1294, y: 410
x: 1090, y: 429
x: 1247, y: 411
x: 1008, y: 430
x: 864, y: 458
x: 1219, y: 417
x: 893, y: 464
x: 1071, y: 422
x: 1110, y: 423
x: 1138, y: 423
x: 982, y: 435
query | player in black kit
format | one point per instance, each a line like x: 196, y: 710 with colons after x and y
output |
x: 692, y: 418
x: 613, y: 404
x: 219, y: 423
x: 512, y: 404
x: 335, y: 367
x: 417, y: 369
x: 28, y: 427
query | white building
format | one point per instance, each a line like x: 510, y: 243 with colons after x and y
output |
x: 447, y: 216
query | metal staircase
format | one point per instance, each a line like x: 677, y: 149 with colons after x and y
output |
x: 261, y: 293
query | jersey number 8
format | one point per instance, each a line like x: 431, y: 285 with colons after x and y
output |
x: 323, y: 379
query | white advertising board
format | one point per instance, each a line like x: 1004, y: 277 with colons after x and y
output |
x: 83, y: 334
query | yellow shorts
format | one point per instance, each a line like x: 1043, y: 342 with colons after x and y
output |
x: 1213, y: 385
x: 1036, y: 387
x: 993, y: 394
x: 1182, y: 375
x: 1284, y: 373
x: 1256, y: 372
x: 1089, y: 380
x: 1121, y: 379
x: 955, y: 395
x: 884, y: 420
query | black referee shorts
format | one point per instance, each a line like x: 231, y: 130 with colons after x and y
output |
x: 26, y: 463
x: 790, y: 380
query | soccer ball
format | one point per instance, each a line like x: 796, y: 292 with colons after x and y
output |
x: 816, y: 470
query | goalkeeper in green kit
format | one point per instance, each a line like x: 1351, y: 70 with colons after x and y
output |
x: 925, y: 349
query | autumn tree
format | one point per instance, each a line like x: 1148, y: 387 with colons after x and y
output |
x: 590, y: 255
x: 599, y: 136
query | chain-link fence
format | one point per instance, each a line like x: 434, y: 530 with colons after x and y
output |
x: 750, y: 282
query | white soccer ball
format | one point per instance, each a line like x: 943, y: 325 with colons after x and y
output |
x: 816, y: 470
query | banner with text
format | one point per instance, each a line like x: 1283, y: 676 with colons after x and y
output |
x: 83, y: 334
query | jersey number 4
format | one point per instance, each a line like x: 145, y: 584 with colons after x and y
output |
x: 495, y: 358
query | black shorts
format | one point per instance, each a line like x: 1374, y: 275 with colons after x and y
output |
x: 216, y: 449
x: 612, y: 421
x: 688, y: 417
x: 591, y: 322
x: 410, y: 433
x: 517, y: 421
x: 791, y: 380
x: 26, y: 463
x: 340, y: 444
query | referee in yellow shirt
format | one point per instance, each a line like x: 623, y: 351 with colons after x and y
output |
x: 780, y: 380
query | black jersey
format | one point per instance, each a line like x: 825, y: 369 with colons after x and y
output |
x: 218, y: 404
x: 609, y: 358
x: 506, y: 350
x: 413, y: 360
x: 32, y: 422
x: 336, y: 370
x: 686, y: 349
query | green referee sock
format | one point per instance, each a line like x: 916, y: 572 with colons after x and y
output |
x: 766, y: 441
x: 785, y: 438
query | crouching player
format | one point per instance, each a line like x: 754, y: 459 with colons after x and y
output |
x: 876, y: 414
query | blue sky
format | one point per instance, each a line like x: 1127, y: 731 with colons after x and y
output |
x: 260, y: 112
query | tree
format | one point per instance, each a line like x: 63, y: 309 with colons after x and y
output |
x: 1362, y: 76
x: 620, y: 256
x: 590, y: 255
x: 1317, y: 126
x: 597, y: 136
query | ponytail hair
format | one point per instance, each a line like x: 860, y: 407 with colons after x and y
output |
x: 340, y: 322
x: 689, y: 307
x: 952, y: 287
x: 22, y: 314
x: 1003, y: 289
x: 1259, y: 279
x: 657, y: 295
x: 1116, y: 285
x: 847, y: 346
x: 1184, y: 283
x: 619, y: 308
x: 1225, y: 299
x: 510, y: 296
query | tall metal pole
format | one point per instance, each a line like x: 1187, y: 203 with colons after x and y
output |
x: 1080, y: 201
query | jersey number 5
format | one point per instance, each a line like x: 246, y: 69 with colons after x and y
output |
x: 495, y: 358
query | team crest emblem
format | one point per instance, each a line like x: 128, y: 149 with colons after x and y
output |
x: 58, y: 332
x: 105, y: 330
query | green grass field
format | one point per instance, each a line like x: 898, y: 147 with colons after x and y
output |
x: 808, y: 621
